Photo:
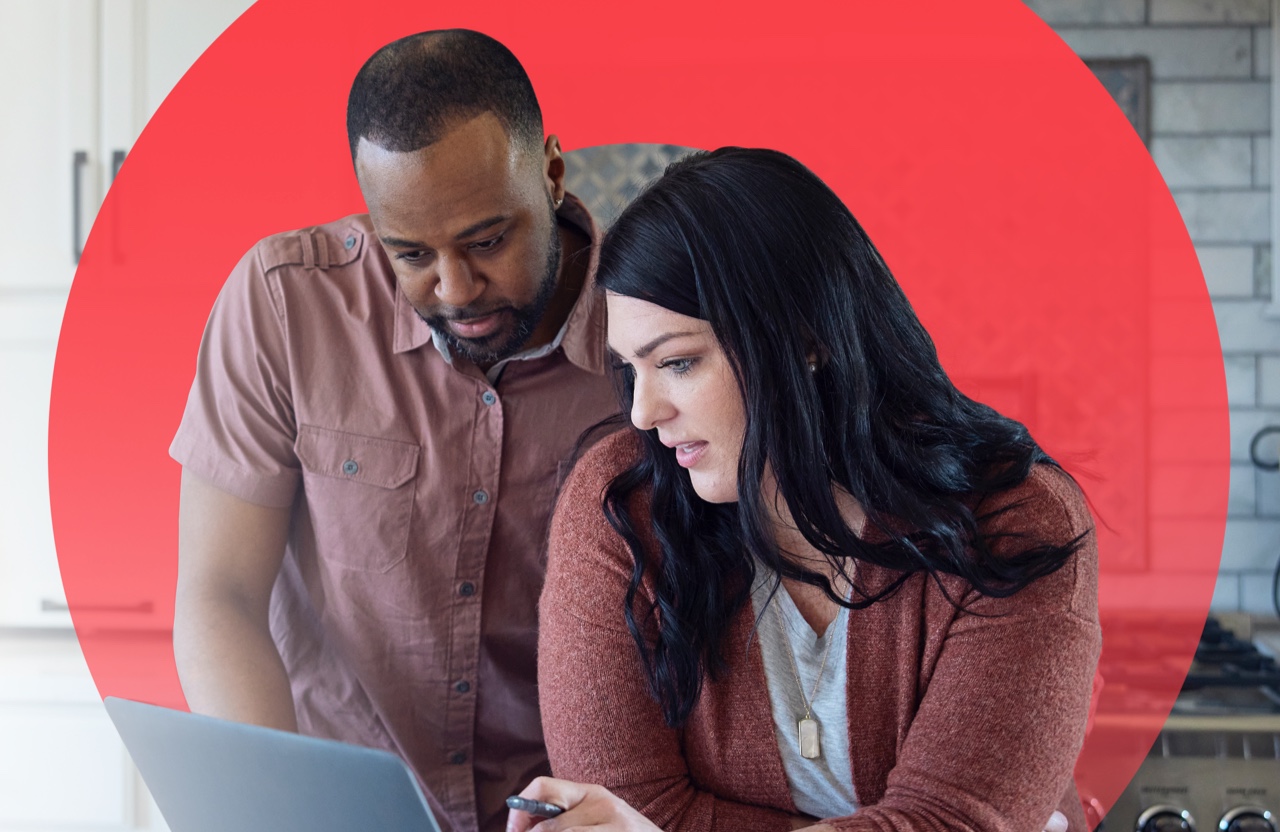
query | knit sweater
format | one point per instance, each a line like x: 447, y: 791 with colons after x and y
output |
x: 957, y: 720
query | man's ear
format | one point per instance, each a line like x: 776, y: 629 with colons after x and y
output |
x: 553, y: 168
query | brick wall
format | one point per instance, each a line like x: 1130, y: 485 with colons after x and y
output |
x: 1211, y: 138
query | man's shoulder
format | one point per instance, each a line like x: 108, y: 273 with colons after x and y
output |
x: 332, y: 245
x: 315, y: 280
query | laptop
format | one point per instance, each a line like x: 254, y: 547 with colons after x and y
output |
x: 210, y: 775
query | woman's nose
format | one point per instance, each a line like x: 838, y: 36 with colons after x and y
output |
x: 649, y: 407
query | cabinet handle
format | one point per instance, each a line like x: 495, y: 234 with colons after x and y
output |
x: 117, y: 159
x: 79, y: 160
x: 140, y: 608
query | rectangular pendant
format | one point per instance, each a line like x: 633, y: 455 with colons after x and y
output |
x: 809, y: 747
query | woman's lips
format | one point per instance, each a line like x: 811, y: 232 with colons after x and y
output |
x: 688, y: 453
x: 481, y: 327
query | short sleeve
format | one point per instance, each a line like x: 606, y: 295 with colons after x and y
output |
x: 238, y: 429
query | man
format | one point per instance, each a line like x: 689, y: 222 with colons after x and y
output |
x: 375, y: 434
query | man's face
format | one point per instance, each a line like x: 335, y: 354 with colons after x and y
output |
x: 469, y: 226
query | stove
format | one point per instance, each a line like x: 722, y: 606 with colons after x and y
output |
x: 1216, y: 763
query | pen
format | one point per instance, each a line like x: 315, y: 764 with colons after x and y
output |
x: 534, y: 807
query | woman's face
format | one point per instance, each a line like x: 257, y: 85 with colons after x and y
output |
x: 684, y: 388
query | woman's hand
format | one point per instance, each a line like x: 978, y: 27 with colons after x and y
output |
x: 585, y: 805
x: 1057, y: 823
x: 597, y: 807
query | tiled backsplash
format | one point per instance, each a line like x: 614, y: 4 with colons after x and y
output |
x: 1211, y: 126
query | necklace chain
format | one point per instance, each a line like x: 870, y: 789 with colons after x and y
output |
x: 795, y: 668
x: 808, y: 731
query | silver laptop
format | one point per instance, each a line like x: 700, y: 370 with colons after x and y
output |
x: 210, y: 775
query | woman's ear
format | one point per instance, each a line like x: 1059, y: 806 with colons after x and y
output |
x: 816, y: 357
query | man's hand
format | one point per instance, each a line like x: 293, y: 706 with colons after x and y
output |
x: 229, y: 553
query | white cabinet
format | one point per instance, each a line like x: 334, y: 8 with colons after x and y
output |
x: 63, y: 768
x: 48, y: 62
x: 66, y: 767
x: 78, y: 80
x: 30, y: 587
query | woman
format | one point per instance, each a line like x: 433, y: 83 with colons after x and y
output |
x: 816, y: 581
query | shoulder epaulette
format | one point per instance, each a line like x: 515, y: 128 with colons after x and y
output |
x: 319, y: 247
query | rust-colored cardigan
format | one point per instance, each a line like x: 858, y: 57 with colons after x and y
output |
x: 956, y: 721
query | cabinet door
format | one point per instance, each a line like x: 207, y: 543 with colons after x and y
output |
x: 63, y: 767
x: 30, y: 587
x: 175, y: 33
x: 146, y: 47
x: 31, y: 593
x: 49, y: 167
x: 92, y: 72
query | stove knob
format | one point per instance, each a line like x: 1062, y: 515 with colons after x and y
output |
x: 1247, y: 819
x: 1165, y: 819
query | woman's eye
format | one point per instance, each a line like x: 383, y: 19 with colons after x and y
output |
x: 679, y: 366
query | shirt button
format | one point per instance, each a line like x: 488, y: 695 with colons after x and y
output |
x: 458, y: 758
x: 488, y: 398
x: 349, y: 243
x: 481, y: 497
x: 467, y: 589
x: 462, y: 686
x: 350, y: 467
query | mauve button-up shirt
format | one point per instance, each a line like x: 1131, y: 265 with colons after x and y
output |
x: 406, y: 608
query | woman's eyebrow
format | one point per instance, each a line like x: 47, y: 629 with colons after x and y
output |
x: 654, y: 344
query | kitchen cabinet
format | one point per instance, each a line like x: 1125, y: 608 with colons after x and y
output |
x: 30, y: 587
x: 81, y: 78
x: 62, y: 765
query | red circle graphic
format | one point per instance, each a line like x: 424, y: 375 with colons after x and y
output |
x: 1022, y: 215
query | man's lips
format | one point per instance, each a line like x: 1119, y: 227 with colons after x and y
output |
x: 481, y: 327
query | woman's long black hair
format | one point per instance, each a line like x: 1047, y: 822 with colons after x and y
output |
x: 754, y: 243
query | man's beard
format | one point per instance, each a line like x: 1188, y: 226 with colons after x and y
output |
x: 484, y: 351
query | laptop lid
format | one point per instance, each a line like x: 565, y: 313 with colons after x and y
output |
x: 211, y: 775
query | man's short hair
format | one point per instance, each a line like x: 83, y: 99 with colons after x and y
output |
x: 413, y: 90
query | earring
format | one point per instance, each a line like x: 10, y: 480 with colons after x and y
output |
x: 813, y: 366
x: 558, y: 202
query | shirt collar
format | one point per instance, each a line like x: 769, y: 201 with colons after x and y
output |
x: 582, y: 336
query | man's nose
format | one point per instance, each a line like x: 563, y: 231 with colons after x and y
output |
x: 457, y: 284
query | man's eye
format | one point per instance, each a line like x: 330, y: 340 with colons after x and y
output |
x: 486, y: 245
x: 412, y: 256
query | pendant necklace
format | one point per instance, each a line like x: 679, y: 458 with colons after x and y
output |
x: 807, y: 727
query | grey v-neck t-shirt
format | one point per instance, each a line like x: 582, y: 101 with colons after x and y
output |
x: 822, y: 787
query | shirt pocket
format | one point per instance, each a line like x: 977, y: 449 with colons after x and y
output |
x: 359, y: 492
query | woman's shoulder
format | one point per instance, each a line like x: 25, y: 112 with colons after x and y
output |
x: 1048, y: 506
x: 585, y: 554
x: 600, y: 463
x: 579, y: 519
